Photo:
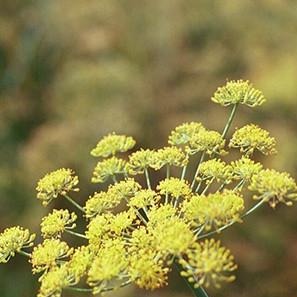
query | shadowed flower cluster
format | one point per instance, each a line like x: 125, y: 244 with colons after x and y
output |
x: 136, y: 231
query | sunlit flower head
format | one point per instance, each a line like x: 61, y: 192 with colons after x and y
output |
x: 214, y: 210
x: 208, y: 263
x: 144, y: 198
x: 97, y: 228
x: 98, y: 203
x: 124, y: 189
x: 245, y: 168
x: 121, y: 221
x: 274, y: 187
x: 79, y: 263
x: 206, y: 140
x: 46, y: 254
x: 140, y: 161
x: 12, y: 240
x: 109, y: 263
x: 215, y: 168
x: 55, y: 223
x: 174, y: 187
x: 58, y: 182
x: 161, y: 213
x: 171, y: 156
x: 184, y: 133
x: 108, y: 168
x: 238, y: 92
x: 147, y: 270
x: 172, y: 235
x: 250, y: 138
x: 111, y: 144
x: 54, y: 282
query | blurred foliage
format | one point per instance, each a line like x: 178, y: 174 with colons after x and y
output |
x: 72, y: 71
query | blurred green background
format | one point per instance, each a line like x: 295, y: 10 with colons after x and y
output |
x: 72, y: 71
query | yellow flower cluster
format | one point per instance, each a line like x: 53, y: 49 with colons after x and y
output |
x: 58, y: 182
x: 140, y: 161
x: 184, y: 133
x: 215, y: 169
x: 245, y: 168
x: 274, y: 187
x: 171, y: 235
x: 108, y: 168
x: 250, y: 138
x: 144, y: 198
x: 54, y: 282
x: 102, y: 201
x: 171, y: 156
x: 135, y: 233
x: 112, y: 144
x: 109, y: 263
x: 13, y: 240
x: 147, y: 270
x: 214, y: 210
x: 208, y: 263
x: 46, y: 254
x: 67, y: 274
x: 209, y: 141
x: 239, y: 91
x: 174, y: 187
x: 55, y: 223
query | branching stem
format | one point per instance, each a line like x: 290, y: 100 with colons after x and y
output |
x: 75, y: 234
x: 230, y: 119
x: 24, y: 254
x: 197, y: 169
x: 74, y: 203
x: 148, y: 182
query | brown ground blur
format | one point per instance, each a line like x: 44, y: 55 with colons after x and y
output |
x: 72, y: 71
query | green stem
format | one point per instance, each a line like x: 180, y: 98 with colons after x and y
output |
x: 114, y: 179
x: 229, y: 122
x: 167, y: 176
x: 75, y: 234
x: 147, y: 178
x: 197, y: 169
x: 77, y: 289
x: 184, y: 172
x: 239, y: 185
x: 198, y: 292
x: 24, y: 254
x: 74, y: 203
x: 208, y: 186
